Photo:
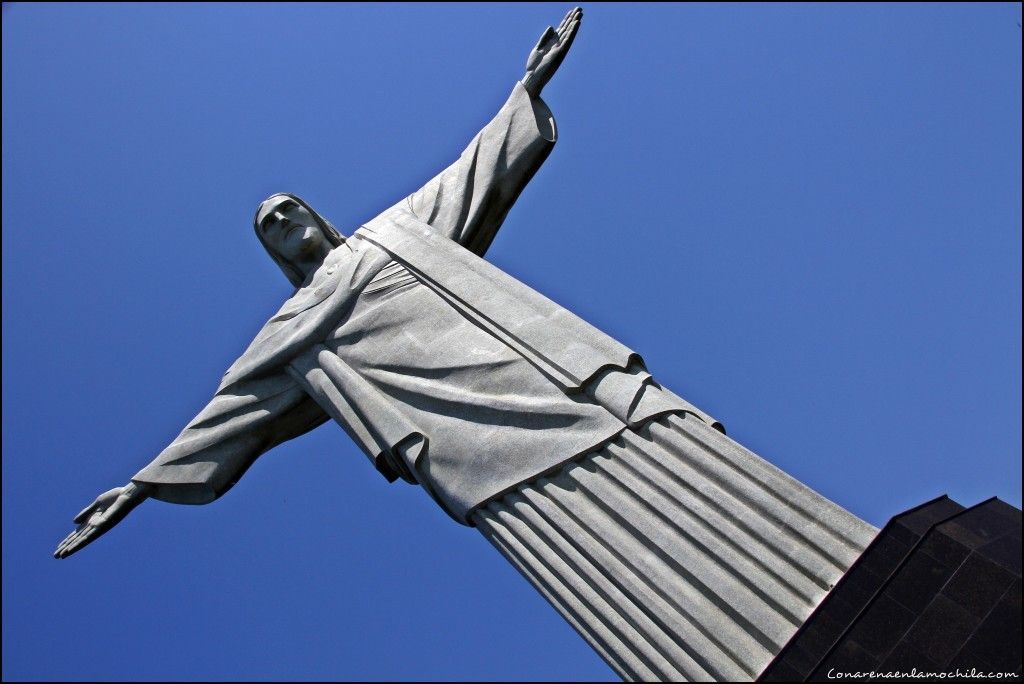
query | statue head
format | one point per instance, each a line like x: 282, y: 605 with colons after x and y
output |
x: 290, y: 230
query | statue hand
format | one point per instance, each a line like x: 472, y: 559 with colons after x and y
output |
x: 101, y: 515
x: 550, y: 51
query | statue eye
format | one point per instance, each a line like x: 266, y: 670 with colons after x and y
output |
x: 273, y: 219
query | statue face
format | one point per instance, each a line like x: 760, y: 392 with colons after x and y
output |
x: 292, y: 231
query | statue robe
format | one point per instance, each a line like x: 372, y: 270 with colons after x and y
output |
x: 445, y: 371
x: 678, y: 554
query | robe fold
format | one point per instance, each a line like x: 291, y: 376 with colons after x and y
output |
x: 446, y: 371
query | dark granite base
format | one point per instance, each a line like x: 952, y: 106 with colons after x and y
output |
x: 937, y: 592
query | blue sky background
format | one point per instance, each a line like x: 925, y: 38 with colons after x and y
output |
x: 807, y: 218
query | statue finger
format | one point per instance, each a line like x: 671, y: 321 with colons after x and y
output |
x: 75, y: 540
x: 89, y: 535
x: 564, y: 31
x: 83, y: 539
x: 570, y: 28
x: 571, y: 16
x: 565, y: 20
x: 570, y: 35
x: 56, y: 552
x: 69, y: 548
x: 63, y: 551
x: 68, y: 540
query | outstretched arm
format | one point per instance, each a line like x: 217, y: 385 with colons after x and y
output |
x: 468, y: 201
x: 209, y: 456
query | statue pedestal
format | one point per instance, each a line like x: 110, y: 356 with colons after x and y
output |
x: 938, y: 590
x: 675, y: 552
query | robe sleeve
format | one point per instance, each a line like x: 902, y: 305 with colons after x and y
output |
x: 215, y: 449
x: 468, y: 201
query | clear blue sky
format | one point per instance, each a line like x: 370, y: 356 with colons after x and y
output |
x: 806, y: 218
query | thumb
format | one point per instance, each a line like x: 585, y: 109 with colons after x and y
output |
x: 86, y: 512
x: 545, y: 38
x: 101, y: 501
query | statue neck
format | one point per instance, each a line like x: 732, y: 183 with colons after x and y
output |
x: 309, y: 262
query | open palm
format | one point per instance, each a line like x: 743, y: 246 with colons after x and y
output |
x: 550, y: 50
x: 108, y: 509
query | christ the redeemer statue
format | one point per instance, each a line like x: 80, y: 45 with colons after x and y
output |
x: 674, y: 551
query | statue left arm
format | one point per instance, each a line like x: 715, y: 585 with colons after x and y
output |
x: 468, y: 201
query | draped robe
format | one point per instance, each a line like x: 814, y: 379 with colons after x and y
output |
x: 675, y: 552
x: 444, y: 370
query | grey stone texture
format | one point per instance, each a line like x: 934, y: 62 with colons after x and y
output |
x: 422, y: 350
x: 674, y: 551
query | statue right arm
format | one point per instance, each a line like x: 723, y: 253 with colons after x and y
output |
x: 242, y: 421
x: 214, y: 450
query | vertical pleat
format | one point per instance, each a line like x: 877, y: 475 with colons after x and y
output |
x: 676, y: 553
